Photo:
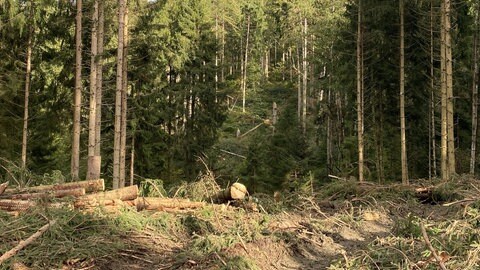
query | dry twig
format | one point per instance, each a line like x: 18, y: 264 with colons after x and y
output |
x: 429, y: 245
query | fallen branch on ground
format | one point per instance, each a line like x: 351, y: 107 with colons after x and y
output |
x: 430, y: 247
x: 7, y: 255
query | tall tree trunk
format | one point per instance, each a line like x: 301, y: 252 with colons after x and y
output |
x: 432, y: 159
x: 360, y: 92
x: 123, y: 137
x: 93, y: 168
x: 443, y: 77
x: 299, y: 88
x: 305, y: 77
x: 245, y: 63
x: 473, y: 148
x: 99, y: 83
x: 118, y: 96
x: 449, y: 85
x: 28, y: 73
x: 75, y: 164
x: 402, y: 95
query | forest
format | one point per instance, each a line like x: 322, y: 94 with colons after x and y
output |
x: 367, y: 106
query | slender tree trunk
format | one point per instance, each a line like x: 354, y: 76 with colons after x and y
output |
x: 299, y: 89
x: 123, y: 138
x: 222, y: 55
x: 444, y: 135
x: 432, y: 164
x: 99, y: 84
x: 305, y: 77
x: 132, y: 160
x: 473, y: 154
x: 449, y: 84
x: 402, y: 96
x: 93, y: 168
x: 28, y: 73
x: 75, y: 165
x: 245, y: 63
x: 360, y: 92
x: 118, y: 96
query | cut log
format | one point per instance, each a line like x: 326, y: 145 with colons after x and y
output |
x: 15, y: 205
x: 159, y: 204
x: 48, y: 194
x: 237, y: 191
x: 106, y: 198
x: 88, y: 185
x: 3, y: 187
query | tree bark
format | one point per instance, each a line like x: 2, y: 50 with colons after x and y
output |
x: 402, y: 96
x: 99, y: 84
x: 123, y: 138
x: 473, y: 148
x: 93, y: 169
x: 118, y: 96
x: 245, y: 65
x: 150, y: 203
x: 104, y: 198
x: 28, y: 73
x: 88, y: 185
x: 444, y: 132
x: 360, y: 92
x: 305, y: 77
x: 449, y: 86
x: 76, y: 192
x: 432, y: 134
x: 132, y: 161
x: 75, y: 162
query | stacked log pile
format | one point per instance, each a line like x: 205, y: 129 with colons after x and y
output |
x: 87, y: 195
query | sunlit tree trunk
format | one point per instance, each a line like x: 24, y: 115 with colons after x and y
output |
x: 245, y: 65
x: 93, y: 168
x: 402, y: 96
x: 449, y: 86
x: 305, y: 77
x: 123, y: 137
x: 28, y: 73
x: 75, y: 164
x: 360, y: 92
x: 118, y: 96
x: 99, y: 83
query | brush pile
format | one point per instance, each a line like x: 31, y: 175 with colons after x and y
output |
x: 90, y: 194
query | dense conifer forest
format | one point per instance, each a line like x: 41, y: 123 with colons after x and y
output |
x: 239, y: 134
x: 268, y: 92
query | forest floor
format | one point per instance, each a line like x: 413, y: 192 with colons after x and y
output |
x: 343, y: 226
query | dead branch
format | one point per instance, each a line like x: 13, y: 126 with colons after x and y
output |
x: 430, y: 247
x: 26, y: 242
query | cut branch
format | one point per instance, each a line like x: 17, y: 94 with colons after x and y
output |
x: 26, y: 242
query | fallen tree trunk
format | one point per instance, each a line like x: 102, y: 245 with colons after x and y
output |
x: 88, y: 185
x: 26, y: 242
x: 47, y: 194
x: 237, y: 191
x: 161, y: 204
x: 108, y: 197
x: 15, y: 205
